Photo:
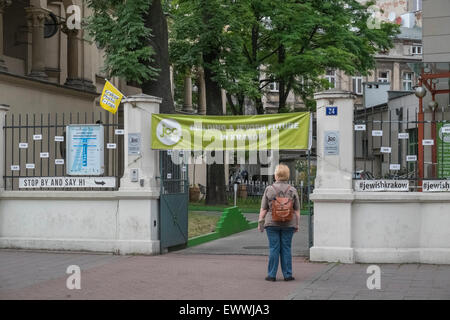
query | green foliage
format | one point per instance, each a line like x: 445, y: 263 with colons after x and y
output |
x: 118, y: 27
x: 291, y: 42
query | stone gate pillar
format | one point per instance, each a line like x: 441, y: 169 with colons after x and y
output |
x: 3, y: 110
x: 333, y: 191
x: 138, y: 112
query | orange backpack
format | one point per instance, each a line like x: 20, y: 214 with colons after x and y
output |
x: 282, y: 207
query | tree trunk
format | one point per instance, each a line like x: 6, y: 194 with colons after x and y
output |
x: 259, y: 105
x: 215, y: 175
x: 282, y: 84
x: 160, y: 87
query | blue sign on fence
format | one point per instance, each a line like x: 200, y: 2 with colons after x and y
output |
x: 331, y: 111
x: 85, y: 148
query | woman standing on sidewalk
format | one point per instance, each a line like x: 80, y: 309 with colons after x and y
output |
x: 280, y: 217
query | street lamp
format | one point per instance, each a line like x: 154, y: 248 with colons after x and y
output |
x: 420, y: 92
x: 432, y: 105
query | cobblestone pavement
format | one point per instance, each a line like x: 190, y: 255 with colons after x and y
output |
x: 169, y: 276
x: 41, y: 275
x: 252, y: 242
x: 398, y: 282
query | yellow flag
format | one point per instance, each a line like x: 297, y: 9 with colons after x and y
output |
x: 111, y: 97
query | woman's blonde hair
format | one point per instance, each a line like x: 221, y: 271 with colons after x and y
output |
x: 282, y: 172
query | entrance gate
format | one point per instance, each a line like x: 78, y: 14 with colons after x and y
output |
x: 174, y: 198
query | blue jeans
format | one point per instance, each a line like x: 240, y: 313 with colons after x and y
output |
x: 280, y: 244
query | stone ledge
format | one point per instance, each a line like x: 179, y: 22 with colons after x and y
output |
x: 393, y: 197
x: 81, y: 195
x: 117, y: 246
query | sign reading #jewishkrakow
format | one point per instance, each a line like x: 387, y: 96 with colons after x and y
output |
x: 287, y: 131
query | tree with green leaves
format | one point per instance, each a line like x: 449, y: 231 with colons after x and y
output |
x: 311, y: 36
x: 291, y: 42
x: 134, y: 36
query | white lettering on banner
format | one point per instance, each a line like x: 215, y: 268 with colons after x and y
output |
x: 377, y: 133
x: 427, y: 142
x: 360, y: 127
x: 403, y: 135
x: 445, y: 129
x: 381, y: 185
x: 436, y: 186
x: 67, y: 182
x: 411, y: 158
x: 23, y: 145
x: 385, y: 150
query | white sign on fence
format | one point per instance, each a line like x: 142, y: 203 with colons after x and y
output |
x: 67, y: 182
x: 394, y: 167
x: 360, y: 127
x: 381, y: 185
x: 403, y: 135
x: 411, y: 158
x: 436, y: 186
x: 377, y: 133
x: 427, y: 142
x: 385, y: 150
x: 119, y: 132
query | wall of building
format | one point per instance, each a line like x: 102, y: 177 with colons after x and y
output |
x: 436, y: 30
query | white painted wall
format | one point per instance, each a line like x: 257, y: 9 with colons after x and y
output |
x: 388, y: 227
x: 123, y: 222
x: 118, y: 222
x: 371, y: 227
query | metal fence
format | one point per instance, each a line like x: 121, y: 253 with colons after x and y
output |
x: 35, y: 146
x: 387, y: 145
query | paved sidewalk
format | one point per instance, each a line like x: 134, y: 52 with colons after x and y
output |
x: 38, y: 275
x: 252, y: 242
x: 398, y: 282
x: 170, y: 276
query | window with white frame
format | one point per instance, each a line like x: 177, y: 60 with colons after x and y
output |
x: 407, y: 81
x: 416, y: 49
x: 274, y: 87
x: 331, y: 77
x: 383, y: 76
x: 357, y: 84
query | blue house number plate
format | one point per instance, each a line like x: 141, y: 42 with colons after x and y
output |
x: 331, y: 111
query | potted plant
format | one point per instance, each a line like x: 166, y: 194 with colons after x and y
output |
x: 194, y: 193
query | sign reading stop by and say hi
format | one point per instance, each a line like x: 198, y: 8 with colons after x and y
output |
x: 66, y: 182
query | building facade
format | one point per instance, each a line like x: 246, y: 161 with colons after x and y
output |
x: 45, y: 66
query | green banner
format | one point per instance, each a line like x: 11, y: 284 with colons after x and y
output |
x: 443, y: 151
x: 285, y: 131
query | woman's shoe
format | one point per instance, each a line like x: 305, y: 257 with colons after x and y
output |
x: 289, y: 279
x: 270, y: 279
